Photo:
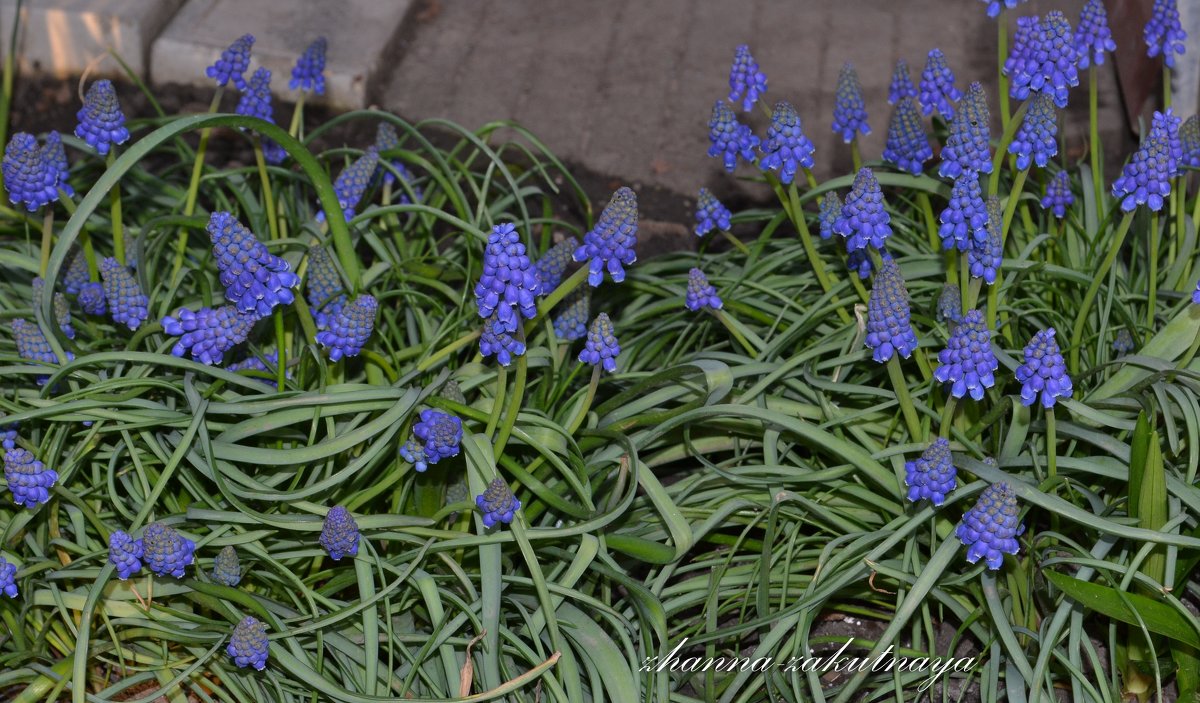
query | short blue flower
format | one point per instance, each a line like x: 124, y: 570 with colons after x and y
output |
x: 127, y: 305
x: 849, y: 109
x: 414, y: 453
x: 323, y: 286
x: 386, y: 139
x: 208, y: 332
x: 28, y: 479
x: 613, y: 241
x: 1050, y: 60
x: 931, y: 476
x: 441, y: 432
x: 1092, y: 36
x: 937, y: 91
x: 1058, y: 194
x: 339, y: 533
x: 8, y: 578
x: 1164, y: 34
x: 601, y: 346
x: 967, y: 146
x: 125, y: 553
x: 56, y: 153
x: 889, y: 318
x: 572, y: 322
x: 1189, y: 142
x: 352, y: 182
x: 497, y: 503
x: 993, y: 9
x: 984, y: 257
x: 233, y: 63
x: 8, y: 434
x: 907, y: 144
x: 166, y: 551
x: 77, y: 275
x: 248, y: 644
x: 1123, y: 343
x: 309, y: 71
x: 701, y: 293
x: 711, y: 214
x: 967, y: 362
x: 863, y: 220
x: 256, y: 98
x: 831, y: 210
x: 859, y: 261
x: 509, y: 285
x: 746, y: 81
x: 990, y: 529
x: 730, y: 138
x: 949, y: 305
x: 1044, y: 371
x: 255, y: 280
x: 901, y: 86
x: 1036, y: 140
x: 31, y: 174
x: 91, y: 299
x: 786, y: 149
x: 552, y: 265
x: 227, y: 568
x: 101, y: 122
x: 496, y: 340
x: 1146, y: 179
x: 350, y: 328
x: 32, y: 344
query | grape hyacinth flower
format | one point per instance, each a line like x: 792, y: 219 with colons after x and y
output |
x: 101, y: 122
x: 127, y: 305
x: 1022, y: 58
x: 553, y: 264
x: 166, y: 551
x: 28, y: 479
x: 1164, y: 34
x: 227, y: 568
x: 1036, y: 140
x: 967, y: 147
x: 984, y: 257
x: 572, y: 323
x: 385, y: 140
x: 993, y: 9
x: 323, y: 286
x: 746, y: 81
x: 907, y: 144
x: 255, y: 100
x: 1092, y: 36
x: 967, y: 362
x: 56, y: 154
x: 125, y: 553
x: 786, y: 149
x: 31, y: 176
x: 233, y: 63
x: 990, y: 529
x: 937, y: 91
x: 496, y: 340
x: 601, y: 346
x: 339, y: 533
x: 931, y: 476
x: 352, y: 183
x: 453, y: 392
x: 849, y: 109
x: 711, y: 214
x: 859, y: 261
x: 831, y: 211
x: 255, y: 280
x: 863, y: 220
x: 414, y: 453
x: 1123, y: 343
x: 77, y: 275
x: 60, y: 306
x: 8, y: 434
x: 442, y: 434
x: 32, y: 344
x: 248, y: 644
x: 509, y: 285
x: 309, y: 71
x: 497, y: 503
x: 613, y: 241
x: 901, y: 86
x: 1167, y: 124
x: 91, y: 299
x: 8, y: 578
x: 1050, y: 61
x: 730, y: 138
x: 350, y: 328
x: 1044, y: 371
x: 1146, y: 179
x: 1189, y: 142
x: 254, y: 363
x: 701, y: 293
x: 1058, y: 194
x: 889, y: 323
x: 949, y: 305
x: 208, y: 332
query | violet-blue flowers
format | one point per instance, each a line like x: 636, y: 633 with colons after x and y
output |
x: 28, y: 479
x: 442, y: 434
x: 8, y: 578
x: 967, y: 144
x: 497, y: 503
x: 495, y: 340
x: 208, y: 332
x: 991, y: 527
x: 350, y: 328
x: 165, y: 550
x: 786, y: 149
x: 31, y: 174
x: 1146, y: 179
x: 509, y: 285
x: 601, y: 347
x: 248, y: 645
x: 339, y: 533
x: 937, y: 91
x: 1164, y: 34
x: 126, y: 303
x: 711, y: 214
x: 101, y: 122
x: 931, y: 476
x: 613, y: 241
x: 889, y: 323
x: 1036, y: 140
x: 553, y: 264
x: 849, y: 109
x: 255, y: 280
x: 233, y: 63
x: 864, y: 221
x: 1092, y: 36
x: 352, y: 182
x: 1044, y: 372
x: 901, y: 86
x: 746, y: 81
x: 309, y: 71
x: 730, y: 138
x: 700, y: 293
x: 907, y: 144
x: 125, y: 553
x: 983, y: 258
x: 1058, y: 194
x: 968, y: 363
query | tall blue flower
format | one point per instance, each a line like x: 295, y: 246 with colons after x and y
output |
x: 1189, y: 142
x: 56, y: 153
x: 497, y: 503
x: 711, y: 214
x: 350, y: 328
x: 125, y: 553
x: 831, y: 210
x: 1058, y: 194
x: 208, y: 332
x: 352, y: 182
x: 849, y: 108
x: 101, y: 122
x: 76, y: 276
x: 127, y: 305
x: 248, y: 645
x: 937, y: 91
x: 31, y: 176
x: 949, y: 305
x: 227, y: 568
x: 1164, y: 34
x: 730, y: 138
x: 746, y: 81
x: 28, y: 479
x: 889, y: 319
x: 1146, y: 179
x: 967, y: 362
x: 323, y: 286
x: 1044, y: 371
x: 1123, y: 342
x: 509, y: 285
x: 613, y: 241
x: 309, y: 71
x: 552, y: 265
x: 993, y: 9
x: 255, y: 280
x: 166, y: 551
x: 442, y: 434
x: 1092, y: 36
x: 931, y: 476
x: 233, y: 63
x: 256, y: 98
x: 990, y: 529
x: 701, y: 293
x: 901, y: 86
x: 1022, y: 58
x: 984, y: 257
x: 1049, y: 62
x: 864, y: 221
x: 786, y: 149
x: 572, y: 322
x: 91, y: 299
x: 967, y: 147
x: 496, y: 340
x: 907, y: 144
x: 1166, y: 124
x: 339, y: 533
x: 32, y: 344
x: 601, y: 346
x: 8, y: 578
x: 1036, y: 140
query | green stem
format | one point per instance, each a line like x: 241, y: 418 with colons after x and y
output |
x: 518, y: 394
x: 947, y: 417
x: 281, y: 350
x: 1094, y: 127
x: 1094, y: 288
x: 1152, y: 298
x: 297, y: 117
x: 189, y: 204
x: 1002, y: 148
x: 497, y: 401
x: 1002, y: 52
x: 720, y: 315
x: 931, y: 223
x: 587, y: 402
x: 1010, y: 207
x: 854, y: 155
x: 791, y: 204
x: 370, y: 620
x: 47, y: 239
x: 741, y: 246
x: 267, y: 198
x: 89, y: 255
x: 905, y: 400
x: 1051, y: 445
x: 428, y: 362
x: 564, y: 289
x: 1166, y: 87
x: 117, y: 229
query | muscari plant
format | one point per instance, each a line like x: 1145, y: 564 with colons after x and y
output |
x: 324, y: 427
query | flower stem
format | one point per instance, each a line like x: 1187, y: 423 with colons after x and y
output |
x: 1094, y: 127
x: 935, y: 241
x: 47, y: 239
x: 791, y: 204
x: 1051, y: 444
x: 947, y: 417
x: 497, y: 401
x: 189, y: 205
x: 1152, y: 298
x: 115, y: 195
x: 587, y: 402
x: 854, y: 155
x: 905, y: 400
x: 297, y: 117
x: 1094, y: 288
x: 1006, y: 138
x: 1002, y: 53
x: 518, y: 394
x: 741, y: 246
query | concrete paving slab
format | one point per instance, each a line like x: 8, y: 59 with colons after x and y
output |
x: 361, y: 34
x: 62, y: 37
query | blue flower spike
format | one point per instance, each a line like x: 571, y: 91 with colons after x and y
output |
x: 509, y: 285
x: 56, y: 154
x: 907, y: 144
x: 309, y: 72
x: 125, y: 553
x: 28, y: 479
x: 949, y: 305
x: 786, y: 149
x: 8, y: 578
x: 323, y: 286
x: 1058, y: 195
x: 339, y: 533
x: 233, y: 63
x: 864, y: 221
x: 1044, y: 373
x: 967, y: 148
x: 76, y: 276
x: 255, y: 100
x: 901, y: 86
x: 350, y: 328
x: 1123, y: 342
x: 1164, y: 34
x: 572, y: 323
x: 601, y: 347
x: 497, y: 503
x: 968, y: 363
x: 208, y: 333
x: 352, y: 183
x: 711, y: 214
x: 1189, y: 142
x: 167, y: 551
x: 413, y: 452
x: 32, y: 344
x: 613, y: 241
x: 984, y: 257
x: 386, y: 139
x: 552, y: 265
x: 441, y: 433
x: 255, y: 280
x: 700, y: 293
x: 91, y: 299
x: 849, y: 108
x: 994, y: 6
x: 227, y: 568
x: 495, y: 340
x: 931, y: 476
x: 127, y: 305
x: 8, y: 434
x: 1044, y: 59
x: 1093, y: 39
x: 990, y: 529
x: 1146, y: 179
x: 831, y: 210
x: 101, y: 122
x: 248, y: 644
x: 746, y: 81
x: 889, y: 317
x: 730, y: 139
x: 937, y: 91
x: 31, y: 175
x: 1036, y: 140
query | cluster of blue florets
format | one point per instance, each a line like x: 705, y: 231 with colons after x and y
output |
x: 931, y: 476
x: 1036, y: 140
x: 255, y: 280
x: 1092, y: 37
x: 901, y: 86
x: 968, y: 363
x: 1044, y: 373
x: 711, y: 214
x: 990, y: 528
x: 101, y: 122
x: 983, y: 258
x: 612, y: 243
x: 509, y: 285
x: 1058, y: 194
x: 497, y: 503
x: 730, y: 139
x: 889, y: 323
x: 786, y: 149
x: 746, y: 82
x: 849, y: 108
x: 601, y: 347
x: 571, y: 324
x: 700, y: 293
x: 348, y: 330
x: 1164, y: 34
x: 863, y: 220
x: 907, y: 144
x: 339, y: 533
x: 967, y: 149
x: 1146, y: 179
x: 248, y: 645
x: 441, y: 434
x: 208, y: 333
x: 937, y: 92
x: 28, y: 479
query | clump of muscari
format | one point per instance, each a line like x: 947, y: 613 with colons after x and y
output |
x: 601, y: 347
x: 1164, y: 34
x: 309, y: 72
x: 348, y: 330
x: 227, y: 568
x: 964, y: 221
x: 1044, y: 372
x: 937, y: 91
x: 233, y: 63
x: 1092, y: 36
x: 509, y: 285
x: 1146, y: 179
x: 889, y: 323
x: 166, y: 551
x: 101, y: 122
x: 339, y: 533
x: 255, y: 280
x: 248, y: 644
x: 730, y: 138
x: 700, y: 293
x: 983, y: 258
x: 571, y: 324
x: 746, y: 81
x: 1036, y: 140
x: 28, y: 479
x: 441, y: 433
x: 351, y: 184
x: 495, y: 340
x: 552, y: 265
x: 967, y: 147
x: 127, y: 305
x: 907, y: 144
